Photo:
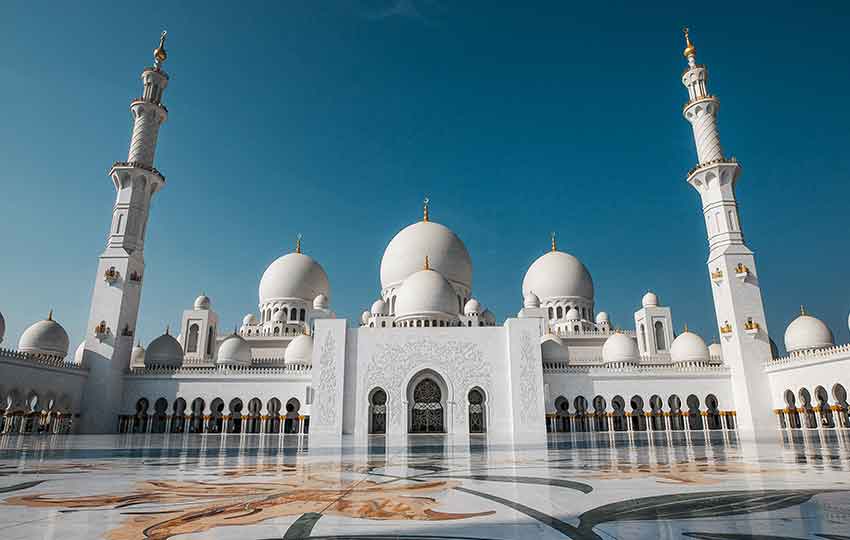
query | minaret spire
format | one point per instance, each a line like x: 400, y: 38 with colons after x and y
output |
x: 159, y: 54
x: 298, y: 243
x: 737, y: 300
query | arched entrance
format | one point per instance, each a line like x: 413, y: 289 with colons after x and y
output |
x: 476, y: 411
x: 427, y: 414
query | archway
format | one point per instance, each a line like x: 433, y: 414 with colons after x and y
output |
x: 273, y: 407
x: 427, y: 404
x: 839, y: 393
x: 140, y: 421
x: 826, y: 419
x: 196, y: 422
x: 178, y: 416
x: 477, y: 418
x: 694, y: 414
x: 808, y: 411
x: 619, y: 417
x: 793, y: 415
x: 252, y: 424
x: 581, y: 421
x: 657, y: 418
x: 638, y: 418
x: 600, y: 415
x: 216, y: 416
x: 291, y: 421
x: 713, y: 412
x: 160, y: 408
x: 235, y: 412
x: 562, y: 414
x: 377, y: 411
x: 677, y: 422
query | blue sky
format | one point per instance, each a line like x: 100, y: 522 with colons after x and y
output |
x: 335, y: 119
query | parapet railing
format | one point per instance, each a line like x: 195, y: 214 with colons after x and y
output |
x: 40, y: 359
x: 598, y: 367
x: 222, y: 370
x: 828, y: 353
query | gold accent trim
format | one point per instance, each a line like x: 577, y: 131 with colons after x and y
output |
x: 425, y: 203
x: 690, y: 49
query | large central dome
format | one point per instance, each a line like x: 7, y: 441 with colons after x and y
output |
x: 445, y: 251
x: 558, y: 275
x: 294, y: 276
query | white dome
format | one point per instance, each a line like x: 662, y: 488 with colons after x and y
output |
x: 472, y: 307
x: 2, y: 327
x: 426, y: 293
x: 364, y: 317
x: 234, y: 350
x: 573, y: 314
x: 299, y: 351
x: 620, y: 349
x: 294, y: 276
x: 249, y: 319
x: 137, y: 356
x: 320, y: 302
x: 80, y: 352
x: 530, y: 300
x: 279, y: 316
x: 379, y: 307
x: 202, y: 302
x: 558, y: 275
x: 45, y: 337
x: 688, y: 347
x: 715, y: 350
x: 445, y: 251
x: 602, y: 317
x: 164, y: 351
x: 807, y: 332
x: 650, y: 299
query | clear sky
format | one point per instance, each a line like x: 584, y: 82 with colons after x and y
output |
x: 335, y: 119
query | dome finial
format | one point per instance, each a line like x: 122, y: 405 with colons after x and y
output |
x: 554, y: 244
x: 159, y: 54
x: 686, y: 327
x: 167, y: 329
x: 802, y: 310
x: 50, y: 315
x: 690, y: 50
x: 298, y: 243
x: 425, y: 204
x: 427, y: 264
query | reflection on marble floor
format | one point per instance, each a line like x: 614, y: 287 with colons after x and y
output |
x: 588, y: 486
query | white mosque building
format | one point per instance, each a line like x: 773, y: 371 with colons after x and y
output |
x: 427, y: 356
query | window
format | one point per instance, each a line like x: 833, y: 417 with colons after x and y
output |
x: 560, y: 312
x: 301, y: 314
x: 192, y: 342
x: 659, y: 336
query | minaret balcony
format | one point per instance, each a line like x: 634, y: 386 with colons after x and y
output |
x: 102, y: 331
x: 726, y: 329
x: 111, y: 275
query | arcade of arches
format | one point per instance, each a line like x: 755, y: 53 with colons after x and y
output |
x: 217, y: 416
x: 812, y: 410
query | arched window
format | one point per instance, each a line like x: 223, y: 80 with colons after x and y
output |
x: 276, y: 331
x: 192, y: 341
x: 643, y: 336
x: 560, y: 311
x: 476, y: 411
x: 378, y: 412
x: 293, y: 315
x: 551, y: 313
x: 659, y: 336
x: 210, y: 340
x: 301, y: 314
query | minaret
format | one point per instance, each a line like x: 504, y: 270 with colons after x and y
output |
x: 731, y: 265
x: 121, y: 267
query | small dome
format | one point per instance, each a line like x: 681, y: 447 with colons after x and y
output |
x: 715, y: 350
x: 807, y: 332
x: 45, y: 337
x: 299, y: 351
x: 488, y: 316
x: 164, y: 351
x: 80, y: 352
x: 650, y: 299
x: 573, y: 314
x: 202, y: 302
x: 558, y: 275
x: 688, y: 347
x: 620, y: 349
x: 379, y: 308
x: 530, y: 300
x: 320, y: 302
x: 279, y: 316
x: 364, y: 317
x: 426, y: 293
x: 472, y: 307
x: 602, y: 318
x: 249, y: 319
x: 234, y: 351
x: 448, y: 255
x: 293, y: 276
x: 2, y: 327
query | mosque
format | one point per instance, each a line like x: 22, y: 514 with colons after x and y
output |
x: 427, y: 356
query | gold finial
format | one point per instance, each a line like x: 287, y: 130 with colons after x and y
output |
x: 159, y: 54
x: 690, y: 50
x: 686, y: 327
x: 427, y: 264
x: 298, y: 243
x: 50, y: 315
x: 802, y: 310
x: 554, y: 245
x: 167, y: 329
x: 425, y: 204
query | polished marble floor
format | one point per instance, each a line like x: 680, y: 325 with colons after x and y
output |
x: 580, y: 486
